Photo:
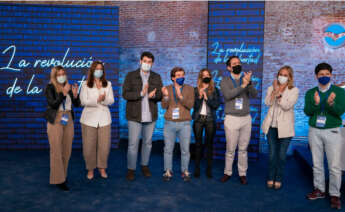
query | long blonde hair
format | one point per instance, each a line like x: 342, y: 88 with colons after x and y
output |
x: 290, y: 80
x: 199, y: 83
x: 53, y: 75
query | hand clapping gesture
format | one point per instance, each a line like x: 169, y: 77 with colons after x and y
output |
x: 101, y: 97
x: 331, y: 98
x: 66, y: 89
x: 152, y: 94
x: 165, y: 91
x: 75, y: 90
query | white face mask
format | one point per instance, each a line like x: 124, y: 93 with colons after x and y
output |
x: 61, y: 79
x: 98, y: 73
x: 282, y: 79
x: 145, y: 67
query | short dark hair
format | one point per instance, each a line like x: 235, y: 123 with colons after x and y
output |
x: 174, y: 70
x: 147, y: 54
x: 228, y: 62
x: 323, y: 66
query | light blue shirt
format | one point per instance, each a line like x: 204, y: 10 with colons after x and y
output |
x: 145, y: 107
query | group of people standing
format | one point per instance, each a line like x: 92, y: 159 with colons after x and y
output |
x: 96, y: 96
x: 143, y: 89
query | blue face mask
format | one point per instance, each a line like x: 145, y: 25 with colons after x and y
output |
x: 324, y: 80
x: 98, y: 73
x: 180, y: 80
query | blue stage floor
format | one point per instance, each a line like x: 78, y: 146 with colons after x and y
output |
x: 24, y: 186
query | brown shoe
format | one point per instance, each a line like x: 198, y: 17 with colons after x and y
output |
x: 243, y: 180
x: 146, y: 171
x: 225, y: 178
x: 130, y: 175
x: 335, y: 202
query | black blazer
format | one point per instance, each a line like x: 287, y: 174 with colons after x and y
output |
x: 213, y: 102
x: 54, y: 100
x: 131, y: 89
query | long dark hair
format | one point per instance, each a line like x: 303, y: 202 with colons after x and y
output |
x: 91, y: 78
x: 199, y: 83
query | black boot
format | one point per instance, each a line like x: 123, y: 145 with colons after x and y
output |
x: 197, y: 171
x: 209, y: 172
x: 63, y: 186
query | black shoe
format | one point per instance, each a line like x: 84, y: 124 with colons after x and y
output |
x: 63, y: 186
x: 197, y: 172
x: 209, y: 172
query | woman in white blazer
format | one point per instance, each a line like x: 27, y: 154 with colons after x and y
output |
x: 96, y: 96
x: 279, y: 123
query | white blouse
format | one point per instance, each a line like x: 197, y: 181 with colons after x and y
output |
x: 68, y: 104
x: 96, y: 114
x: 203, y: 110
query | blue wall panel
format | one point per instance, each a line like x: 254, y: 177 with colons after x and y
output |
x: 237, y: 28
x: 33, y: 39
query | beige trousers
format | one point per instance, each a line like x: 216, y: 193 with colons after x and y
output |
x: 60, y: 140
x: 96, y: 146
x: 237, y: 132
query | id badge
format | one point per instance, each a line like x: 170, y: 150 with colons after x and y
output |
x: 321, y: 121
x: 239, y: 103
x: 176, y: 113
x: 64, y: 119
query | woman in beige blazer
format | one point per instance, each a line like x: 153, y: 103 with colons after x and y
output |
x: 279, y: 123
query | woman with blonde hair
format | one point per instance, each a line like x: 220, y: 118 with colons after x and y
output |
x: 61, y: 97
x: 96, y: 96
x: 206, y: 102
x: 279, y: 123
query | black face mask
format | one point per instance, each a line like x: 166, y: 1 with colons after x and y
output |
x: 237, y: 69
x: 206, y: 80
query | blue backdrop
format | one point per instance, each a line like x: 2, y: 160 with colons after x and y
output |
x: 237, y: 28
x: 34, y: 38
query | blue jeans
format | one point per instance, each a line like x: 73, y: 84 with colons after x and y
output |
x: 135, y: 129
x: 183, y: 131
x: 277, y: 150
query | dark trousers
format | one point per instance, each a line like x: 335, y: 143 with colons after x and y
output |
x: 277, y: 150
x: 210, y: 128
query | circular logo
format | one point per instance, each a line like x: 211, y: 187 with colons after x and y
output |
x: 334, y: 35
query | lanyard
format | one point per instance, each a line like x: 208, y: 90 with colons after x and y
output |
x: 234, y: 82
x: 64, y: 104
x: 174, y: 92
x: 323, y: 100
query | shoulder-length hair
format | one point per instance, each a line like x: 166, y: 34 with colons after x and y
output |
x: 290, y: 80
x: 91, y: 78
x: 53, y: 80
x: 199, y: 82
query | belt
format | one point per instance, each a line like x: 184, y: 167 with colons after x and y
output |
x: 203, y: 116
